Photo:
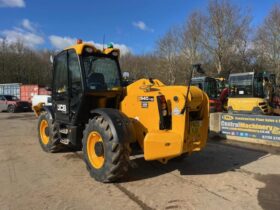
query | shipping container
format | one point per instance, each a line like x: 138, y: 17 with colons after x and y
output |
x: 10, y: 89
x: 23, y: 92
x: 43, y: 91
x: 28, y: 91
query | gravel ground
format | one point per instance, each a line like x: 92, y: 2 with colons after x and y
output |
x: 222, y: 176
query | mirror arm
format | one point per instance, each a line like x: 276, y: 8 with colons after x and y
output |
x: 195, y: 67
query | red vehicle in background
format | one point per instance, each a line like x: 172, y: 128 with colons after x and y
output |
x: 12, y: 104
x: 223, y: 92
x: 210, y: 86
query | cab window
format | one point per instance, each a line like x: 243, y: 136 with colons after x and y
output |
x: 211, y: 88
x: 102, y: 72
x: 61, y: 76
x: 75, y: 72
x: 241, y: 85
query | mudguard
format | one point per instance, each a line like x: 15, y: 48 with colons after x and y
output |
x: 41, y: 107
x: 122, y: 127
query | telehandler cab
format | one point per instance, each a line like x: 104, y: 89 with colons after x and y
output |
x: 210, y: 86
x: 91, y: 109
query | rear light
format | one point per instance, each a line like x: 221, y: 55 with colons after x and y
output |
x: 165, y: 118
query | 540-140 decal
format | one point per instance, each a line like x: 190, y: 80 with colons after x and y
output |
x: 145, y: 100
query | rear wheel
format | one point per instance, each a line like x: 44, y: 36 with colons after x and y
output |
x: 180, y: 158
x: 48, y: 134
x: 105, y: 157
x: 11, y: 108
x: 257, y: 111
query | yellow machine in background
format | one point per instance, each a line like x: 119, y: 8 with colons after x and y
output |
x: 247, y: 93
x: 92, y: 109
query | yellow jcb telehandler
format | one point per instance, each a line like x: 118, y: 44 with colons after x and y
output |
x: 92, y: 109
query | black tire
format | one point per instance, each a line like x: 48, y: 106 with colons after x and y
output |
x: 116, y: 154
x: 180, y: 158
x: 257, y: 111
x: 53, y: 144
x: 11, y: 109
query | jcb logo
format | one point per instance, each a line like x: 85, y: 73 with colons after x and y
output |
x: 228, y: 117
x: 61, y: 107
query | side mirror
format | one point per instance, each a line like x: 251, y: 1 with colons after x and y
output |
x: 51, y: 59
x: 125, y: 75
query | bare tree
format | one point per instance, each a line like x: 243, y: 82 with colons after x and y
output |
x: 224, y: 27
x: 19, y: 64
x: 267, y: 42
x: 141, y: 66
x: 169, y: 51
x: 192, y: 33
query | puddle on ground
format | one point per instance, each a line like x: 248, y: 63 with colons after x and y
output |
x: 269, y: 196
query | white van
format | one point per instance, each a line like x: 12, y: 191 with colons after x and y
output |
x: 46, y: 99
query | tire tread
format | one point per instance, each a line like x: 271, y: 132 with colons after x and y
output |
x: 118, y: 161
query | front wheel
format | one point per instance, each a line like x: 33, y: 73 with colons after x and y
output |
x: 105, y: 157
x: 48, y: 134
x: 11, y: 109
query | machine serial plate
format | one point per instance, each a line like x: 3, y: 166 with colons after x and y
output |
x: 144, y: 104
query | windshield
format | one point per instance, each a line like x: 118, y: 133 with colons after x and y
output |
x: 102, y: 73
x: 241, y: 85
x: 209, y: 87
x: 258, y: 87
x: 11, y: 98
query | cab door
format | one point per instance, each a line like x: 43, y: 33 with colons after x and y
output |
x: 75, y: 84
x: 60, y: 91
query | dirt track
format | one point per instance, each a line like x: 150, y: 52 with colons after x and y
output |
x: 220, y: 177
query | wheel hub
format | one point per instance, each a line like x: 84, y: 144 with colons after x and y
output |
x: 95, y: 150
x: 99, y: 149
x: 44, y: 132
x: 47, y: 132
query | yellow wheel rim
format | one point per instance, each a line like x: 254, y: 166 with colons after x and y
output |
x: 44, y: 137
x: 95, y: 160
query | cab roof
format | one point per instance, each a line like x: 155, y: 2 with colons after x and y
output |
x: 242, y: 74
x: 80, y: 47
x: 195, y: 79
